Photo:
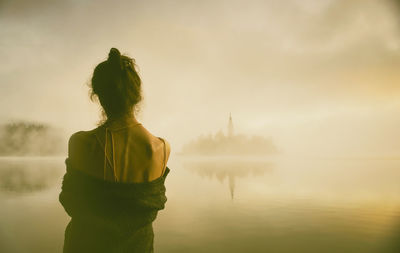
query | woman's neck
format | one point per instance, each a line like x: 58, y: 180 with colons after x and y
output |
x: 121, y: 120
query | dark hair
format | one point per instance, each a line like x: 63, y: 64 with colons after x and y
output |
x: 117, y: 85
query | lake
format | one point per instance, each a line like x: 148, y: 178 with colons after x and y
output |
x: 227, y: 204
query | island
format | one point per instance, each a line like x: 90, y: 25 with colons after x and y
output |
x: 24, y: 138
x: 230, y: 144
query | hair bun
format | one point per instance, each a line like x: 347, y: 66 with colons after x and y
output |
x: 114, y: 53
x: 114, y: 56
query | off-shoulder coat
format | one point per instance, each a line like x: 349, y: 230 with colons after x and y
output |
x: 110, y: 216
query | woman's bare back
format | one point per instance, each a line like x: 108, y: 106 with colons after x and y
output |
x: 133, y: 154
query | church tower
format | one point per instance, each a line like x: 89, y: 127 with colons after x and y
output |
x: 230, y: 126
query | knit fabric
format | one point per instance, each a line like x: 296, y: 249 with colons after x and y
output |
x: 110, y: 216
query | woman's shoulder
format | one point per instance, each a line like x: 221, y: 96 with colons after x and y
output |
x: 167, y: 146
x: 84, y: 135
x: 82, y: 145
x: 154, y: 140
x: 81, y: 139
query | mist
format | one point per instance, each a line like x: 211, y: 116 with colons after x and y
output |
x: 318, y: 77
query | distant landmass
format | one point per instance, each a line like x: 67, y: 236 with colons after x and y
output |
x: 230, y: 144
x: 30, y: 139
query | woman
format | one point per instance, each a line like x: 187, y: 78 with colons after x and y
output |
x: 114, y: 185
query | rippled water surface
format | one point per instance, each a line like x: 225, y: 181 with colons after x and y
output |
x: 228, y: 205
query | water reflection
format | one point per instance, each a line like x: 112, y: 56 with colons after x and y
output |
x: 280, y: 206
x: 22, y: 176
x: 228, y: 169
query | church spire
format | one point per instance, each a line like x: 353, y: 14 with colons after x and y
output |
x: 230, y: 126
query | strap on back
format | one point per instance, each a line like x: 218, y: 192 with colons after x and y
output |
x: 113, y: 164
x: 113, y: 156
x: 165, y: 155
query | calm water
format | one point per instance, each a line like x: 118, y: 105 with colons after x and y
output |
x: 228, y: 205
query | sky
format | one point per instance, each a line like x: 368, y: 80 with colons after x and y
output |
x: 320, y: 77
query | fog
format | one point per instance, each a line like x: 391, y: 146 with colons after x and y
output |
x: 318, y: 77
x: 30, y: 139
